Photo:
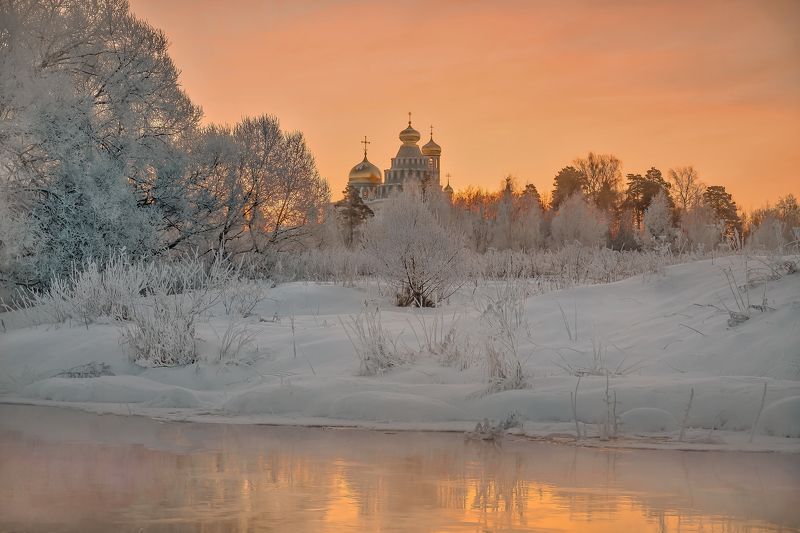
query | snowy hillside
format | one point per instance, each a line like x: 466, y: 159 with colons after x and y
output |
x: 638, y: 352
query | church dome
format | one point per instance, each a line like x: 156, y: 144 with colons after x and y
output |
x: 365, y: 173
x: 409, y: 135
x: 431, y: 148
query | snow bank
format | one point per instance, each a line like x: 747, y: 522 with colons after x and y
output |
x: 660, y: 340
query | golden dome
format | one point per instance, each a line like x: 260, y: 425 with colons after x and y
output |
x: 365, y: 173
x: 448, y: 189
x: 409, y: 135
x: 431, y: 148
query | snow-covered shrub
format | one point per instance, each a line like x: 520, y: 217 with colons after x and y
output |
x: 578, y: 221
x: 91, y: 291
x: 15, y: 237
x: 417, y: 255
x: 700, y: 228
x: 504, y: 328
x: 162, y: 323
x: 375, y: 347
x: 162, y: 329
x: 337, y: 264
x: 241, y: 296
x: 451, y: 345
x: 658, y: 220
x: 768, y: 235
x: 572, y: 264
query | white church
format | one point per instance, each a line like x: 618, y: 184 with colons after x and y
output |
x: 422, y: 166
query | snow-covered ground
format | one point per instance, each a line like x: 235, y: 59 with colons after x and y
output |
x: 645, y: 343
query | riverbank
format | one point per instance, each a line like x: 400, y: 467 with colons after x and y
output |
x: 647, y: 358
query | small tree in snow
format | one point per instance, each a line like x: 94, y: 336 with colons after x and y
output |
x: 768, y: 235
x: 413, y: 251
x: 700, y: 228
x: 352, y: 213
x: 577, y: 221
x: 658, y: 219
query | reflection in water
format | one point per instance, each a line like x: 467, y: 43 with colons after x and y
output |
x: 62, y: 470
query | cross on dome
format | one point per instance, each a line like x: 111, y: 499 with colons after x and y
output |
x: 365, y: 142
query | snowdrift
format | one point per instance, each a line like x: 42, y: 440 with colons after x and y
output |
x: 653, y: 356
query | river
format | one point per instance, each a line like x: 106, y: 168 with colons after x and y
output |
x: 66, y: 470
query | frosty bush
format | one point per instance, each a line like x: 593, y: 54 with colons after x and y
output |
x: 337, y: 264
x: 375, y: 347
x: 505, y: 326
x: 241, y: 296
x: 700, y: 229
x: 658, y: 220
x: 578, y: 221
x: 15, y: 236
x: 111, y: 290
x: 768, y: 235
x: 91, y: 291
x: 162, y: 331
x: 414, y: 252
x: 162, y: 328
x: 156, y: 303
x: 447, y: 342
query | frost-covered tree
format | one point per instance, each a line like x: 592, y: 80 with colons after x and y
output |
x: 252, y: 188
x: 642, y: 190
x: 204, y: 208
x: 15, y: 235
x: 529, y: 220
x: 504, y: 225
x: 90, y: 109
x: 768, y: 234
x: 414, y: 252
x: 531, y: 194
x: 601, y: 177
x: 473, y: 210
x: 578, y: 221
x: 786, y: 213
x: 724, y: 208
x: 687, y: 188
x: 281, y: 185
x: 352, y: 212
x: 567, y: 182
x: 658, y: 219
x: 701, y: 229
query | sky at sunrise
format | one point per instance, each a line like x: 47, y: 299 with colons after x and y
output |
x: 511, y: 87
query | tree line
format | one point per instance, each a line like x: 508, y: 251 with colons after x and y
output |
x: 592, y: 204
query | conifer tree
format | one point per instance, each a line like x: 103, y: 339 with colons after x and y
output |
x: 567, y: 182
x: 721, y: 203
x: 352, y: 212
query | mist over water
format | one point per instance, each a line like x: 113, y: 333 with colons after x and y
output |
x: 64, y: 470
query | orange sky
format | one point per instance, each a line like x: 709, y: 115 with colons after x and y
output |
x: 519, y: 87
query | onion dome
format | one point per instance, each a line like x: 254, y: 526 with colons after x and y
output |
x: 409, y: 135
x: 431, y: 148
x: 448, y: 189
x: 365, y: 173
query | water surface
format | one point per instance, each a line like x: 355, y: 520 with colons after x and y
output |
x: 63, y: 470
